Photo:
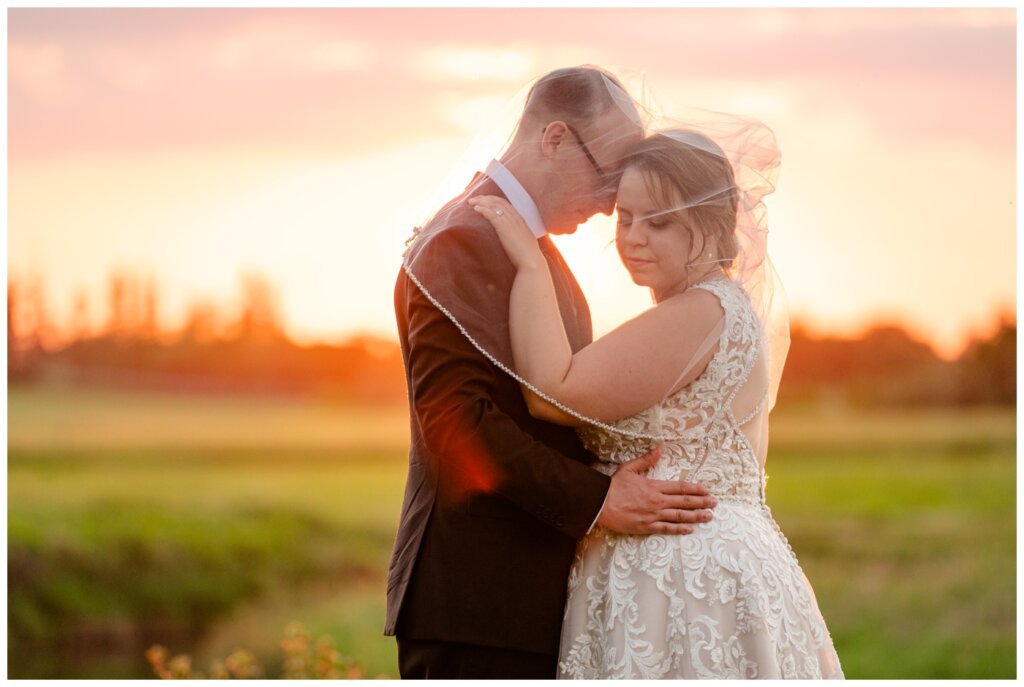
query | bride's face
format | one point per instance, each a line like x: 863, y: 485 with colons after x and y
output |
x: 653, y: 246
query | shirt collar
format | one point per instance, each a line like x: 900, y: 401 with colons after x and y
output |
x: 517, y: 196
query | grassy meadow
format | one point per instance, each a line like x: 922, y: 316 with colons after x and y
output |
x: 206, y: 524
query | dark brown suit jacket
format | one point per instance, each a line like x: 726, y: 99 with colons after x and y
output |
x: 495, y: 500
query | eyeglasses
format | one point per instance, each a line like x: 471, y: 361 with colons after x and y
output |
x: 609, y: 182
x: 586, y: 151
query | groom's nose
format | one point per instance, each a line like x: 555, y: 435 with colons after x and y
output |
x: 605, y: 204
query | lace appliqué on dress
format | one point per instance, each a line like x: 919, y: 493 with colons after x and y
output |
x: 729, y: 600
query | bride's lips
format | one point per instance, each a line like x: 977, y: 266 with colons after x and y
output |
x: 637, y: 263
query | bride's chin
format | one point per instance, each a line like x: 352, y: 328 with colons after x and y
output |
x: 639, y: 278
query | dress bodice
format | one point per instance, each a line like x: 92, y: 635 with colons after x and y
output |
x: 704, y: 439
x: 728, y: 600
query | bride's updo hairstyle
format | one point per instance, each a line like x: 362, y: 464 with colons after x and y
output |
x: 687, y: 172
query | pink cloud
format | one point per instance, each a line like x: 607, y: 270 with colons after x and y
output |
x: 341, y: 79
x: 38, y: 71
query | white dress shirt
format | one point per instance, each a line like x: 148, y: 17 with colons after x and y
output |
x: 517, y: 196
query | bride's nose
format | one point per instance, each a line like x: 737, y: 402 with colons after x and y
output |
x: 631, y: 234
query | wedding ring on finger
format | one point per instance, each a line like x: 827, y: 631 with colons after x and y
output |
x: 499, y: 212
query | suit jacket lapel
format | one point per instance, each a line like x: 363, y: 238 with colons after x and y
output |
x: 571, y: 303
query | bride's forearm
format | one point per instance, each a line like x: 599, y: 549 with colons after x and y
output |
x: 539, y: 342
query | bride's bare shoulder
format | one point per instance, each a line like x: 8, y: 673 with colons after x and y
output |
x: 691, y: 307
x: 675, y: 320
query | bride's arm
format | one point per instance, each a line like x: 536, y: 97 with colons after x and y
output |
x: 620, y: 374
x: 532, y: 302
x: 540, y: 345
x: 542, y: 410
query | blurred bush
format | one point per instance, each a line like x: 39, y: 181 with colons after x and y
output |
x: 303, y: 660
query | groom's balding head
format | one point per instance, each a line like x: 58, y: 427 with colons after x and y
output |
x: 577, y: 94
x: 577, y: 127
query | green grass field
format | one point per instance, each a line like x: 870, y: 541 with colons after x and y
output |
x: 206, y: 524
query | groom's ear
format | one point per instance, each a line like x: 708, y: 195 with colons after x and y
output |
x: 553, y: 136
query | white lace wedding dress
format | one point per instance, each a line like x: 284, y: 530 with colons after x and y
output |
x: 729, y: 600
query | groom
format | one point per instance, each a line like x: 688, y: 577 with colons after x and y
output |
x: 495, y: 499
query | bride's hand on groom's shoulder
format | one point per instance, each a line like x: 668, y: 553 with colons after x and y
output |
x: 637, y: 505
x: 516, y: 238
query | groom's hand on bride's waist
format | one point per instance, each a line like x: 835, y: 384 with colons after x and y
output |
x: 637, y: 505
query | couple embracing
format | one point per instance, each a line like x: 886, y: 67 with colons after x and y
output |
x: 588, y: 508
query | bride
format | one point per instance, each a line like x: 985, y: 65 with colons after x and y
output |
x: 695, y: 372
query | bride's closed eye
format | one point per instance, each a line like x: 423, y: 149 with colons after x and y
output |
x: 626, y: 219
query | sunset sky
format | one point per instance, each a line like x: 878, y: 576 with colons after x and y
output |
x: 198, y: 145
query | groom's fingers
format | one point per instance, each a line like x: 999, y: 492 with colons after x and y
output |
x: 676, y: 515
x: 678, y: 502
x: 685, y: 503
x: 674, y: 487
x: 668, y: 528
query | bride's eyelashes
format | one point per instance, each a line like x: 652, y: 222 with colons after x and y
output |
x: 656, y: 222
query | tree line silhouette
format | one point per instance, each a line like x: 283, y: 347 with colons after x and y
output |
x: 887, y: 366
x: 249, y: 351
x: 212, y: 351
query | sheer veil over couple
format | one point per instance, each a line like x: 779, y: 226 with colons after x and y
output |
x: 584, y: 508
